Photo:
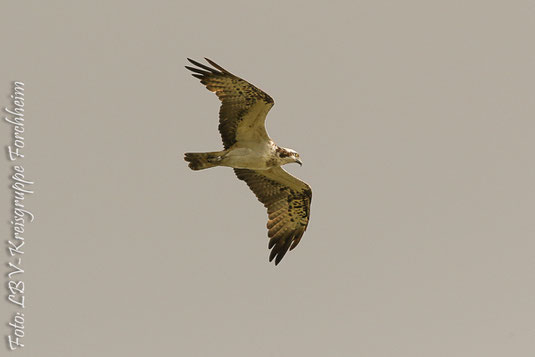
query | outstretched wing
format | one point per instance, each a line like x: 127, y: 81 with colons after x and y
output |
x: 287, y: 200
x: 244, y: 107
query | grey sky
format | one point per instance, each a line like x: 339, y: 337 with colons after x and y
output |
x: 415, y: 123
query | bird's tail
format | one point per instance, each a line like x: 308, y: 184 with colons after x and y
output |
x: 202, y: 160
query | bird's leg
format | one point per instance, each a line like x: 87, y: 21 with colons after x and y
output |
x: 216, y: 157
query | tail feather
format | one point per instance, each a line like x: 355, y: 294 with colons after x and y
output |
x: 202, y: 160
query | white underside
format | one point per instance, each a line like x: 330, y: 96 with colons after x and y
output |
x: 250, y: 155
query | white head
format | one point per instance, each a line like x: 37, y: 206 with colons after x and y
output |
x: 288, y: 156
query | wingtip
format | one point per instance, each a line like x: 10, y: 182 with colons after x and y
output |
x: 272, y: 255
x: 277, y: 255
x: 195, y: 63
x: 277, y: 261
x: 216, y: 65
x: 206, y: 68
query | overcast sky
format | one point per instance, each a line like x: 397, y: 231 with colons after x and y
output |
x: 415, y: 121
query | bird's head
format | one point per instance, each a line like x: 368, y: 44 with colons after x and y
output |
x: 288, y: 155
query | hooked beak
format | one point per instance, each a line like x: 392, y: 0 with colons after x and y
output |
x: 299, y: 162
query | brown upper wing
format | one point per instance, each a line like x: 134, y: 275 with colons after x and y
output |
x: 244, y: 107
x: 287, y: 200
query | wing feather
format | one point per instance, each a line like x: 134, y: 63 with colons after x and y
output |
x: 243, y: 108
x: 287, y: 200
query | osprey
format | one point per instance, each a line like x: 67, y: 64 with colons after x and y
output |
x: 256, y: 159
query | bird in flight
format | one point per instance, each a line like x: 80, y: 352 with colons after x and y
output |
x: 255, y: 158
